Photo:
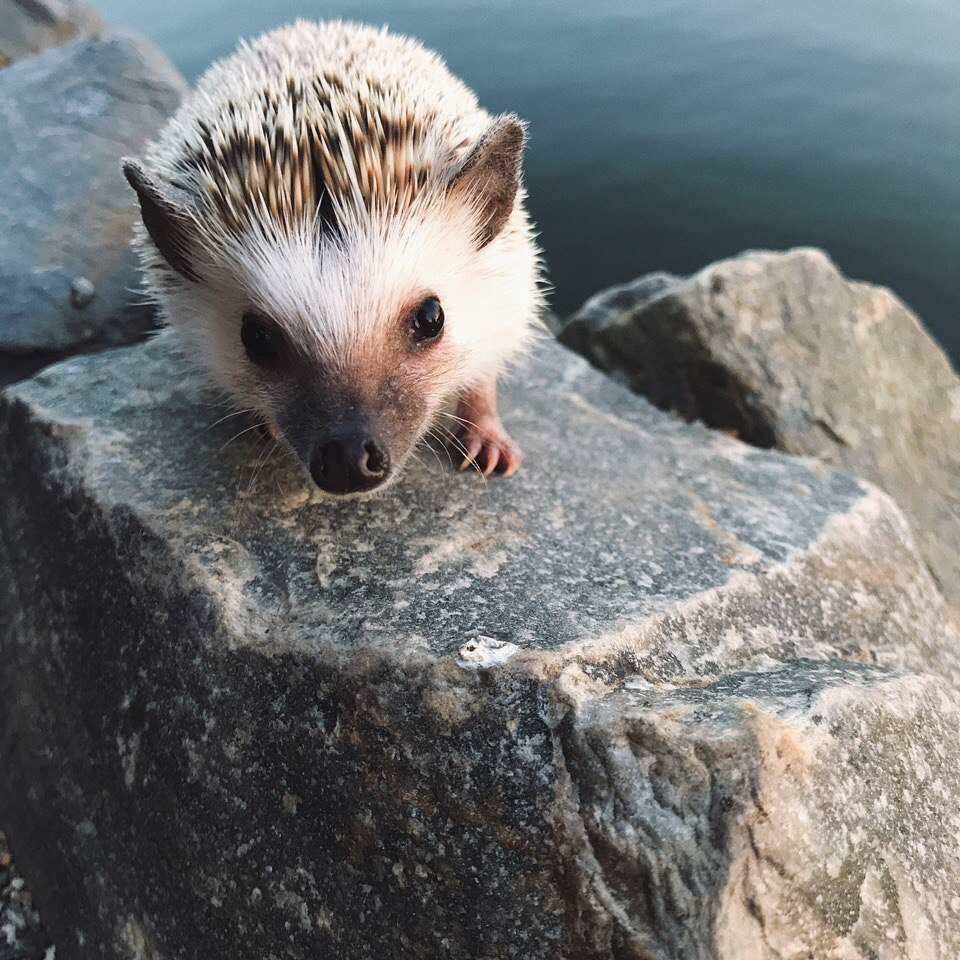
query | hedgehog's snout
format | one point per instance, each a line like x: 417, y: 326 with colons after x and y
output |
x: 350, y: 460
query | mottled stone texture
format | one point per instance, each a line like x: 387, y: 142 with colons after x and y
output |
x: 22, y: 936
x: 67, y: 272
x: 786, y: 351
x: 236, y: 726
x: 29, y: 26
x: 803, y: 810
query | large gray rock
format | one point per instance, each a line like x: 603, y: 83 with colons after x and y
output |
x: 660, y: 695
x: 29, y: 26
x: 783, y: 349
x: 67, y: 116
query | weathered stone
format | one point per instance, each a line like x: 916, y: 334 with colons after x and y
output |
x: 21, y: 934
x: 660, y: 695
x: 67, y: 116
x: 29, y: 26
x: 781, y: 348
x: 803, y: 810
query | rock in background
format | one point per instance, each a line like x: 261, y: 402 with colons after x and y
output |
x: 784, y: 350
x: 661, y: 695
x: 29, y: 26
x: 67, y: 116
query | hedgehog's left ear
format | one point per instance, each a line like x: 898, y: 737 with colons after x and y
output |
x: 490, y: 176
x: 169, y: 215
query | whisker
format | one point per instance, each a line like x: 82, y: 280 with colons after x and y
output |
x: 467, y: 423
x: 418, y: 459
x: 450, y: 416
x: 456, y: 441
x: 222, y: 401
x: 237, y: 436
x: 430, y: 447
x: 210, y: 426
x: 243, y: 499
x: 236, y: 496
x: 261, y: 462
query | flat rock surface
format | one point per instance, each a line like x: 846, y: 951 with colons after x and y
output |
x: 259, y: 724
x: 67, y: 117
x: 624, y: 513
x: 783, y: 349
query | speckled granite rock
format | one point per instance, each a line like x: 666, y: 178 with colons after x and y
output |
x: 655, y: 696
x: 782, y: 348
x: 67, y: 116
x: 29, y: 26
x: 22, y: 936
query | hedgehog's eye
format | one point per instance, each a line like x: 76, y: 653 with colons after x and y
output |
x: 263, y: 341
x: 428, y: 320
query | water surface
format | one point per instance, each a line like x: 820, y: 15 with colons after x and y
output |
x: 669, y: 133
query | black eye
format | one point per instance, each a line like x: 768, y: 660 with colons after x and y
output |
x: 263, y: 341
x: 428, y: 320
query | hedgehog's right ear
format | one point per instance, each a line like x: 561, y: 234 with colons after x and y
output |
x: 169, y: 214
x: 490, y: 176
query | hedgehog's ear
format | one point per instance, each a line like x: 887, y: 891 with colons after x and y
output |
x: 490, y: 176
x: 169, y: 214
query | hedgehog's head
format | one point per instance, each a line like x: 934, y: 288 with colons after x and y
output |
x: 346, y: 318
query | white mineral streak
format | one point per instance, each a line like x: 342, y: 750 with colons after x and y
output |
x: 858, y: 523
x: 481, y: 653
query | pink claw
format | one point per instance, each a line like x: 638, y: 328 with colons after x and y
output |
x: 480, y: 435
x: 488, y: 447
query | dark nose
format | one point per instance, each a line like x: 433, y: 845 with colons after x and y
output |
x: 349, y: 462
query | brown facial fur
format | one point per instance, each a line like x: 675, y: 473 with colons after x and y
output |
x: 390, y: 388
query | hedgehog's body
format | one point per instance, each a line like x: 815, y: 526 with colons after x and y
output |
x: 336, y: 229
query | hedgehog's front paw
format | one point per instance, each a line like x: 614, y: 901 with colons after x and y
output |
x: 486, y: 445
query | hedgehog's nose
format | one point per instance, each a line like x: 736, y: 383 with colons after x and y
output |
x: 349, y: 462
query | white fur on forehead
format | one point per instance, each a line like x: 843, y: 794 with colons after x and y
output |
x: 339, y: 296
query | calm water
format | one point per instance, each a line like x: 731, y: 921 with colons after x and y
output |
x: 669, y: 133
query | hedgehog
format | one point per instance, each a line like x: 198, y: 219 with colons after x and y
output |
x: 336, y: 231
